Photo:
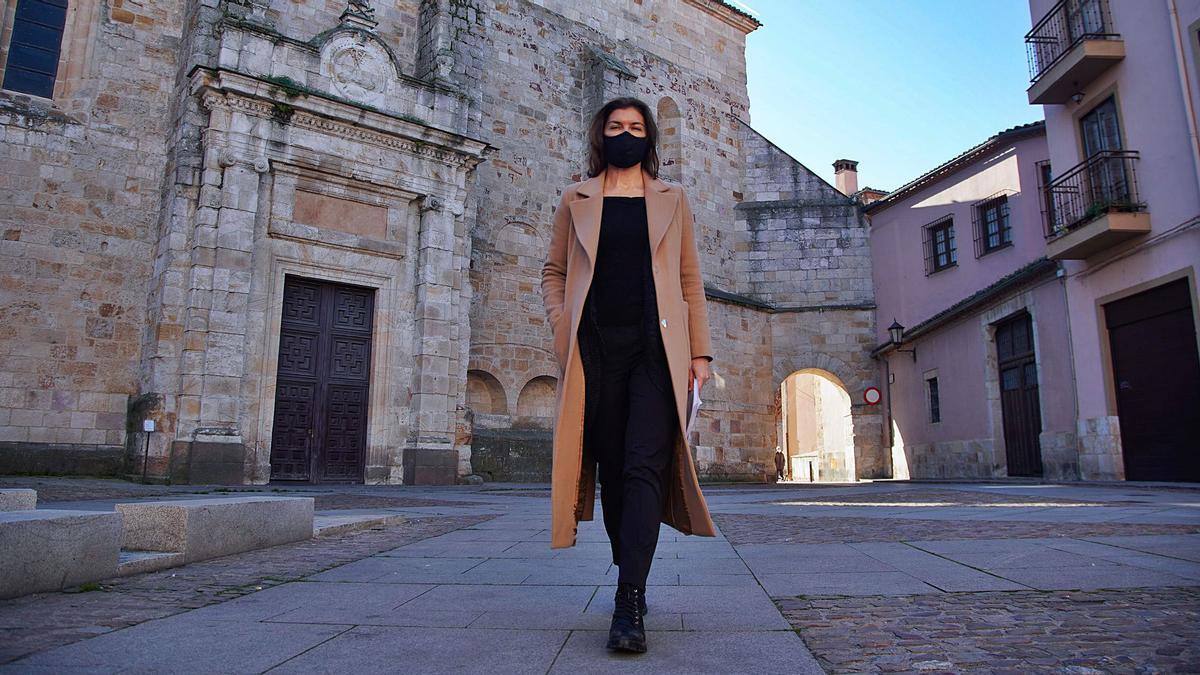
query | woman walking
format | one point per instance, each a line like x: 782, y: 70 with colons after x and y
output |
x: 625, y: 301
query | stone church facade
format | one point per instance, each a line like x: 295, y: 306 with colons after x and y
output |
x: 303, y: 240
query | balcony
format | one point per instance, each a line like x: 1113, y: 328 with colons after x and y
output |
x: 1069, y: 48
x: 1094, y: 206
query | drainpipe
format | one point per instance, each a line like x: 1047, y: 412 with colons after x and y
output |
x: 1061, y: 273
x: 1186, y: 87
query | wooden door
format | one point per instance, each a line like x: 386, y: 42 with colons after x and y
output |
x: 1019, y: 396
x: 1156, y: 373
x: 322, y: 384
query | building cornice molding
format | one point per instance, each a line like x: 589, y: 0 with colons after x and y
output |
x: 728, y: 14
x: 310, y: 110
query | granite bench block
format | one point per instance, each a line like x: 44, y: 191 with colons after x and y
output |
x: 18, y: 499
x: 209, y: 528
x: 52, y: 549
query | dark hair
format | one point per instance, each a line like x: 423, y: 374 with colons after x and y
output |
x: 596, y: 160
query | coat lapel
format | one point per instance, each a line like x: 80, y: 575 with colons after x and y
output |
x: 586, y: 212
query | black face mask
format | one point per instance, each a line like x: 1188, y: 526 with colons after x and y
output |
x: 624, y: 149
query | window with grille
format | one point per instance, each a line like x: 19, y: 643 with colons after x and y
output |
x: 992, y: 228
x: 935, y: 400
x: 940, y: 251
x: 33, y: 50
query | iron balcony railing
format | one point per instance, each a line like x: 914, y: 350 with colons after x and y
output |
x: 1067, y: 24
x: 1102, y: 183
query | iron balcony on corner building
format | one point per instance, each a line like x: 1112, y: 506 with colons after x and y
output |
x: 1094, y: 206
x: 1069, y: 48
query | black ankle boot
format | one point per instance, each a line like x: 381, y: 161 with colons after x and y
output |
x: 627, y: 632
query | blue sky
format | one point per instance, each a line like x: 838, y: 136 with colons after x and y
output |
x: 899, y: 85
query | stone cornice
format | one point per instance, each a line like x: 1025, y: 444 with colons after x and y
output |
x: 727, y: 13
x: 264, y: 99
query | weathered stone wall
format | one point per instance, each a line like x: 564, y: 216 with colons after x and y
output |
x: 549, y: 66
x: 79, y: 207
x: 736, y: 433
x: 805, y: 243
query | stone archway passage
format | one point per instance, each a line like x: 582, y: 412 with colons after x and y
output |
x: 817, y: 432
x: 321, y: 393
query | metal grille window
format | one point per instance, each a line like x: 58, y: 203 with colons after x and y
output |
x: 940, y: 251
x: 992, y: 229
x: 33, y: 51
x: 935, y: 400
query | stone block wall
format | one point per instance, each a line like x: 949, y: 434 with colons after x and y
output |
x: 734, y: 437
x: 79, y: 206
x: 805, y: 244
x: 549, y: 65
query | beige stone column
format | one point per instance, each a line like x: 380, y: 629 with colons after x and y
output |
x: 429, y: 454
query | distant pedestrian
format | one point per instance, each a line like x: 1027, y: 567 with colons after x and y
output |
x: 625, y: 301
x: 779, y: 462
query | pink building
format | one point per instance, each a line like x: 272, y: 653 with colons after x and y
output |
x: 1043, y: 284
x: 1119, y: 87
x: 980, y: 384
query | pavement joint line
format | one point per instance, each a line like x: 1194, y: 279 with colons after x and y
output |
x: 591, y: 598
x: 967, y: 565
x: 558, y: 653
x: 303, y: 652
x: 1137, y: 550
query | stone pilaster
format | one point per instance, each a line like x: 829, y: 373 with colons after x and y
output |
x: 429, y: 456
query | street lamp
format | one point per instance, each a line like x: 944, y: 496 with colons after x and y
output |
x: 896, y: 331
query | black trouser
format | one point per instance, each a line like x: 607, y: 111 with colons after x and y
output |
x: 631, y: 429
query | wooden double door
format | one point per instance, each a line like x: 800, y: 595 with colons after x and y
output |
x: 1156, y: 375
x: 323, y: 382
x: 1019, y: 395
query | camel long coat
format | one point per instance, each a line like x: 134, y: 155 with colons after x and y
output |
x: 683, y: 313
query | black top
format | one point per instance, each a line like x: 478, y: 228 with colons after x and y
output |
x: 624, y: 242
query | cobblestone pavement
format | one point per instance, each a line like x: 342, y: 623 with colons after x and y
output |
x: 765, y: 529
x: 339, y: 501
x: 1130, y: 631
x: 64, y: 489
x: 41, y: 621
x: 926, y: 497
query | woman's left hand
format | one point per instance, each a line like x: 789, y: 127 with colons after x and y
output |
x: 699, y: 372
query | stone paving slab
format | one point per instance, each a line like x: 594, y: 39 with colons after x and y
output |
x: 691, y: 652
x: 1186, y: 547
x: 387, y: 569
x: 39, y: 622
x: 808, y: 559
x: 431, y: 650
x: 572, y: 620
x: 1179, y: 567
x: 742, y: 529
x: 397, y: 616
x: 1090, y: 578
x: 843, y: 583
x: 504, y: 598
x: 186, y: 645
x: 942, y: 574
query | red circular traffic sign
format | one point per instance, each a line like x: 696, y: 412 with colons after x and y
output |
x: 872, y: 396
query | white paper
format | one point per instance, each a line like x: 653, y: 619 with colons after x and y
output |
x: 693, y: 406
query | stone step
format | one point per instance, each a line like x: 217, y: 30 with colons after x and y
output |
x: 136, y: 562
x: 325, y: 525
x: 18, y: 499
